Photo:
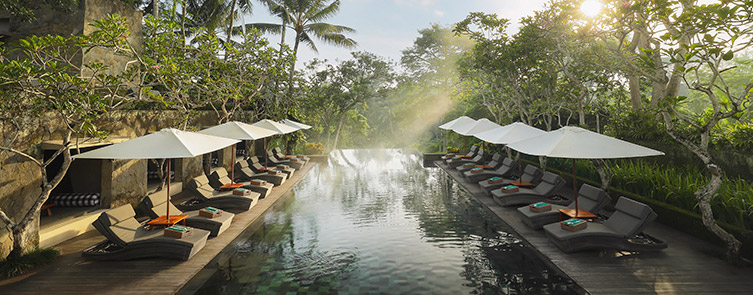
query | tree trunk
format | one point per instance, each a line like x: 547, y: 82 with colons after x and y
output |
x: 292, y: 65
x: 337, y: 132
x: 604, y: 172
x: 27, y: 230
x: 635, y: 92
x: 230, y: 27
x: 155, y: 8
x: 704, y: 194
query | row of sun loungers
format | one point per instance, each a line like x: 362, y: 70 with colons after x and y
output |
x: 621, y: 231
x: 206, y: 215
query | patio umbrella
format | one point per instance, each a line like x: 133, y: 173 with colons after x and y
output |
x: 165, y: 144
x: 480, y: 126
x: 295, y: 124
x: 458, y: 122
x: 239, y: 131
x: 508, y: 134
x: 462, y: 120
x: 578, y: 143
x: 274, y: 126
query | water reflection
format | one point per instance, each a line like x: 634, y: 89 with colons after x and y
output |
x: 376, y: 221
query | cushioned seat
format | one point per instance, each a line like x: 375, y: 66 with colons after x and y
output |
x: 494, y: 163
x: 531, y: 174
x: 219, y: 177
x: 128, y: 239
x: 628, y: 220
x: 505, y: 168
x: 207, y: 196
x: 550, y: 183
x: 590, y: 198
x: 245, y: 173
x: 155, y: 205
x: 471, y: 153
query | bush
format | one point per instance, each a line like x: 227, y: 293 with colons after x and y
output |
x: 35, y: 258
x: 311, y: 148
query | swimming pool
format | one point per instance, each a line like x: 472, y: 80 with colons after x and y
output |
x: 377, y: 222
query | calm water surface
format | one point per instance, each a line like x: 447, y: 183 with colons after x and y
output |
x: 377, y: 222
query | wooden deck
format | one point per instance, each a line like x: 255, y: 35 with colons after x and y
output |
x: 683, y: 268
x: 71, y: 274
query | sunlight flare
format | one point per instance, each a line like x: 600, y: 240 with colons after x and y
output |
x: 591, y: 8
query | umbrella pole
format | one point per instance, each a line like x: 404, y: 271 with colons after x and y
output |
x: 232, y: 163
x: 168, y: 190
x: 520, y: 167
x: 575, y: 189
x: 266, y: 157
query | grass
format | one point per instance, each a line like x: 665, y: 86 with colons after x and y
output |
x: 35, y: 258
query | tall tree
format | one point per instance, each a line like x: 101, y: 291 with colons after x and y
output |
x: 305, y: 18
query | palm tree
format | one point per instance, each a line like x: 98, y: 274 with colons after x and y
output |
x: 240, y: 5
x: 305, y: 18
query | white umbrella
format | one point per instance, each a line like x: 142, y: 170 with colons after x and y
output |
x: 274, y: 126
x: 578, y: 143
x: 165, y: 144
x: 479, y: 126
x: 295, y: 124
x: 240, y: 131
x: 462, y: 120
x: 510, y: 133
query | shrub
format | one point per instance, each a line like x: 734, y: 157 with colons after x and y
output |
x: 311, y: 148
x: 17, y: 266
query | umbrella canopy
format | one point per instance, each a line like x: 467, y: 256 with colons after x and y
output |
x: 509, y: 133
x: 238, y: 130
x: 479, y: 126
x: 578, y: 143
x: 274, y: 126
x: 165, y: 144
x: 459, y: 121
x: 295, y: 124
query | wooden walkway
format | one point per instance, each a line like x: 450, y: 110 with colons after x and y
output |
x: 71, y: 274
x: 682, y: 268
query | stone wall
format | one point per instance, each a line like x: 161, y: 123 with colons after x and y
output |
x: 54, y: 22
x: 20, y: 178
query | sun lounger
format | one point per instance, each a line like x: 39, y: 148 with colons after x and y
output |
x: 619, y: 232
x: 128, y: 239
x: 155, y: 205
x: 590, y: 198
x: 542, y: 192
x: 531, y: 174
x: 219, y: 177
x: 505, y: 168
x: 494, y: 163
x: 278, y: 153
x: 244, y: 173
x: 207, y: 196
x: 257, y: 167
x: 479, y: 158
x: 471, y: 153
x: 295, y: 163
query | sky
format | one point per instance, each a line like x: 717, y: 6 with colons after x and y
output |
x: 386, y: 27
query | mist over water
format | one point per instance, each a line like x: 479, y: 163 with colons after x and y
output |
x: 376, y: 221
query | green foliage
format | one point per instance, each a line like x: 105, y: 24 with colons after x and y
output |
x: 736, y: 136
x: 732, y: 204
x: 35, y: 258
x: 313, y: 148
x: 640, y: 126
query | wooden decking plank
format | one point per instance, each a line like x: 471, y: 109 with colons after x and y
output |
x: 72, y: 274
x: 682, y: 268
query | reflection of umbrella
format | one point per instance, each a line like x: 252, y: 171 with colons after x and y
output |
x: 510, y: 133
x: 294, y: 124
x: 578, y: 143
x: 166, y: 144
x: 239, y: 131
x: 479, y: 126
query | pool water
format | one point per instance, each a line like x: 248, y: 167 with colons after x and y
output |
x: 377, y: 222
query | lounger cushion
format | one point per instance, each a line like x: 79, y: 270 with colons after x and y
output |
x: 630, y: 217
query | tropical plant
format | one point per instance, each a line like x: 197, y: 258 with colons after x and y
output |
x: 305, y: 18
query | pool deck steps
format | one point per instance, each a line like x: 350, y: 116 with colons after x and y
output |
x: 72, y: 274
x: 683, y: 268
